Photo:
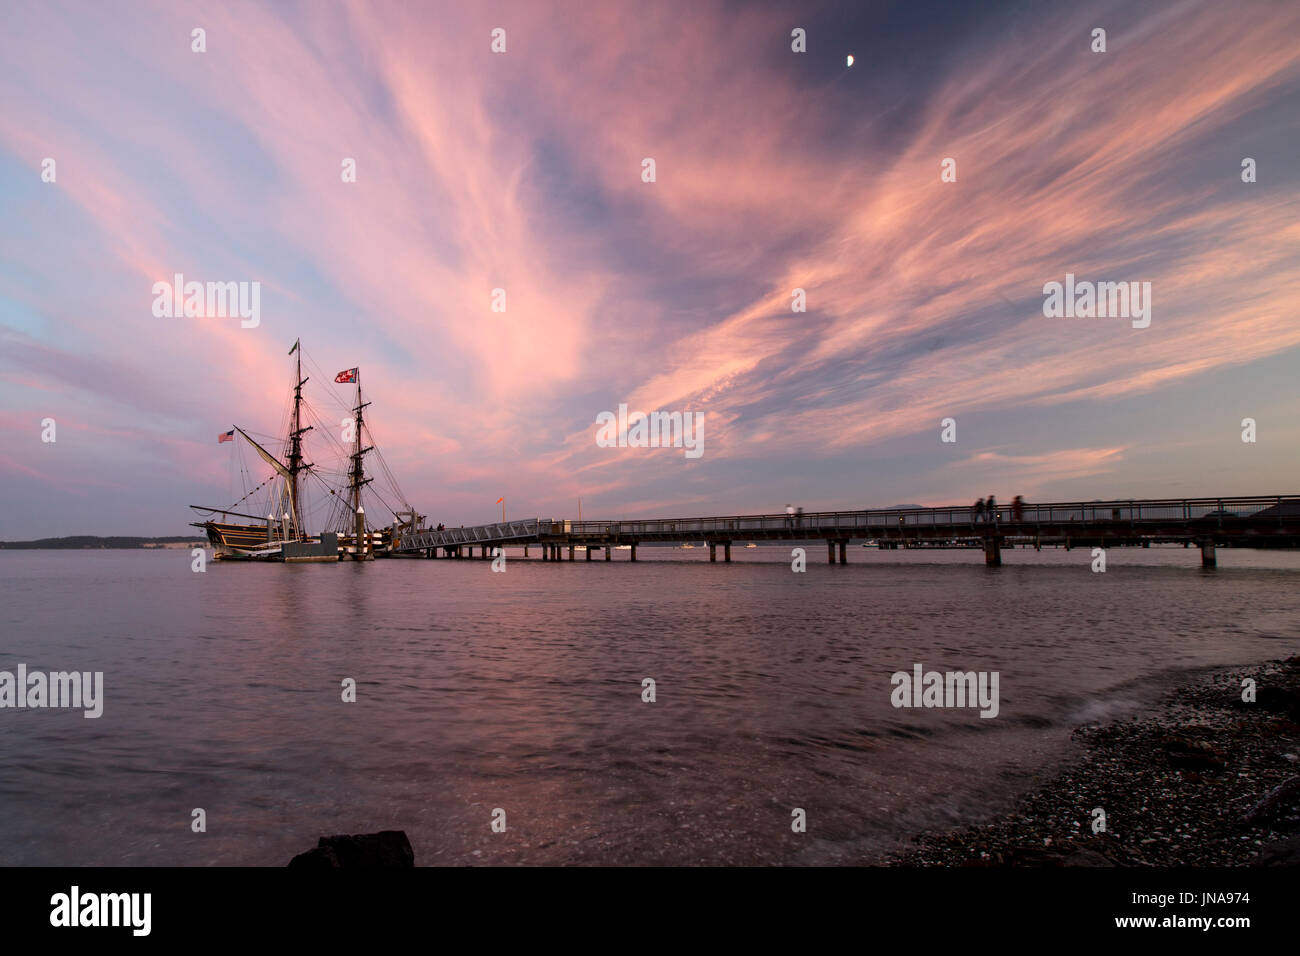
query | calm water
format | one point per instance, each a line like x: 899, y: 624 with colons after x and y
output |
x: 522, y: 690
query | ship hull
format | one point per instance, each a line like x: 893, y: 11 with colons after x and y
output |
x: 232, y: 541
x: 250, y: 542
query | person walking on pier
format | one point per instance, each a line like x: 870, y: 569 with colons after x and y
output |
x: 789, y: 516
x: 992, y: 510
x: 977, y: 511
x: 1018, y: 508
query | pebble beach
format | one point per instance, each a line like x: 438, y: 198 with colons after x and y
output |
x: 1204, y: 778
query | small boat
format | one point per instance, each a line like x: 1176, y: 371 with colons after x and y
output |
x: 688, y: 547
x: 622, y: 547
x: 751, y: 545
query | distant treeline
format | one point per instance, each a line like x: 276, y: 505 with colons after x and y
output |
x: 91, y: 541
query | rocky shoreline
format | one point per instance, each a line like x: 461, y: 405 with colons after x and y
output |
x: 1207, y: 779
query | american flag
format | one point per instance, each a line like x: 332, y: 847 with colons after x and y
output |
x: 346, y: 376
x: 228, y: 436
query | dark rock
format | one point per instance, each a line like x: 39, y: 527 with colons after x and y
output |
x: 388, y: 849
x: 1027, y: 856
x: 1187, y: 754
x: 1279, y: 699
x: 1086, y: 857
x: 1283, y: 853
x: 320, y: 858
x: 1102, y: 849
x: 1281, y: 801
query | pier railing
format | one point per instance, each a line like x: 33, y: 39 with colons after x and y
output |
x: 502, y: 532
x: 1190, y: 516
x: 1211, y: 511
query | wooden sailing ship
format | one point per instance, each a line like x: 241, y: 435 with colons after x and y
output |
x: 284, y: 534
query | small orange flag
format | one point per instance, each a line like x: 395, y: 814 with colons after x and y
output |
x: 499, y: 500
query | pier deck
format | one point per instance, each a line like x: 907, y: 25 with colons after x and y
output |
x: 1268, y: 521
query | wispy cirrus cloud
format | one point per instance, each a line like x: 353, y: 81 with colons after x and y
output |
x: 522, y: 171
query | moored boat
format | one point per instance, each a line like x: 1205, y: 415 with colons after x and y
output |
x: 347, y: 532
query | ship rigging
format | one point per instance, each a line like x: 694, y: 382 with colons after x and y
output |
x: 297, y: 490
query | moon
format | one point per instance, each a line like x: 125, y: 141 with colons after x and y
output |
x: 850, y: 60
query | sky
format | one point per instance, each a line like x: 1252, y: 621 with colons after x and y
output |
x: 774, y: 170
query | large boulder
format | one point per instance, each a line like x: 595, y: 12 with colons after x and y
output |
x: 1283, y: 700
x: 387, y: 849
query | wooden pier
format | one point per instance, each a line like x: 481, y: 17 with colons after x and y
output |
x: 1207, y: 523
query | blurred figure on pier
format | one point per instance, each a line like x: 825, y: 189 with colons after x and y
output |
x: 798, y: 517
x: 977, y: 511
x: 789, y: 516
x: 1018, y: 508
x: 991, y: 507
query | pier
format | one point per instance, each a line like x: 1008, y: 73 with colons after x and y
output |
x: 1206, y: 523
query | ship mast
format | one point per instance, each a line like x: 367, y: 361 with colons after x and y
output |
x: 296, y: 432
x: 357, y: 475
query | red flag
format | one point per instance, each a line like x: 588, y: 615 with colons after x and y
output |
x: 346, y: 376
x: 499, y: 500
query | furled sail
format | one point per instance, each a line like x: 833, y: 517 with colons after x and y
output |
x: 270, y: 459
x: 284, y: 472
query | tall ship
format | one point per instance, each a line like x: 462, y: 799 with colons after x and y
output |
x: 341, y: 496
